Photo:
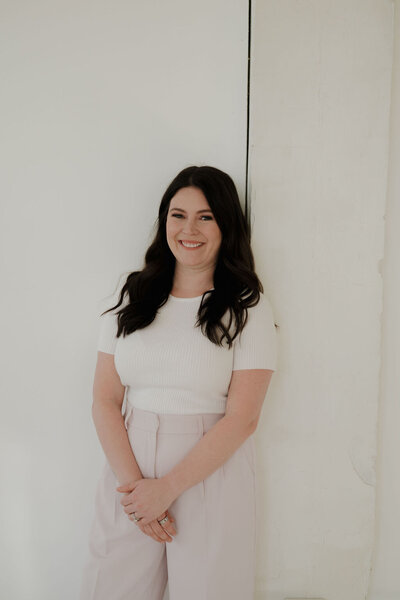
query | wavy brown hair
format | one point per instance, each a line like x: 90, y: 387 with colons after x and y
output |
x: 236, y: 285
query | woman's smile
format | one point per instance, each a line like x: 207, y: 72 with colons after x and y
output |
x: 191, y: 245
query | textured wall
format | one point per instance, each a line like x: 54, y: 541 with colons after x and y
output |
x: 385, y: 577
x: 320, y: 94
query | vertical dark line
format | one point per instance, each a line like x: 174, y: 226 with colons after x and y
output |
x: 246, y: 199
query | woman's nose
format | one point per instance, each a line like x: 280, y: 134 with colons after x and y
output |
x: 190, y: 225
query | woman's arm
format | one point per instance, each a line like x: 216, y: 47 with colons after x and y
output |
x: 108, y: 396
x: 246, y: 394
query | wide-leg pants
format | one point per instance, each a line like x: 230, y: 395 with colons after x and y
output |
x: 212, y: 555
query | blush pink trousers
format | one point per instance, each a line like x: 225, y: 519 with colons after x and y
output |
x: 212, y: 555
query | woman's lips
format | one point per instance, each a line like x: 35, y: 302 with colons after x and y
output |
x: 191, y: 247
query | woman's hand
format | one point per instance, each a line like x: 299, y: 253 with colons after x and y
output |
x: 157, y: 531
x: 147, y: 498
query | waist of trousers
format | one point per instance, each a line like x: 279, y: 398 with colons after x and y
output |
x: 169, y: 423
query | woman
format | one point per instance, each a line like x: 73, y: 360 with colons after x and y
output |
x: 193, y: 345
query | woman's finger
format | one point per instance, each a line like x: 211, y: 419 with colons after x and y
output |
x: 128, y: 508
x: 159, y: 531
x: 167, y: 530
x: 168, y: 525
x: 151, y: 532
x: 154, y: 530
x: 148, y: 530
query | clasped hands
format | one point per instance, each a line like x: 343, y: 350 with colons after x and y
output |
x: 149, y: 499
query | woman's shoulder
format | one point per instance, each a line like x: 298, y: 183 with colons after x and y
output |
x: 255, y: 347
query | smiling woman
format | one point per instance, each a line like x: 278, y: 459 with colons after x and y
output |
x: 194, y: 238
x: 193, y: 346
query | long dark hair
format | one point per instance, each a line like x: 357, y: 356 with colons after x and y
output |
x: 236, y: 285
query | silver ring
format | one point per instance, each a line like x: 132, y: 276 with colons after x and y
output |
x: 164, y: 520
x: 134, y: 517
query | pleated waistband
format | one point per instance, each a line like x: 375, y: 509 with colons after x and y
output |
x: 169, y: 423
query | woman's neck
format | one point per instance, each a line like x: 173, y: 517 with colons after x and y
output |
x: 188, y: 284
x: 190, y: 292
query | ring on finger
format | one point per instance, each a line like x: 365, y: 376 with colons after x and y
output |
x: 133, y: 517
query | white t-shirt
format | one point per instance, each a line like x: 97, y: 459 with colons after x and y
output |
x: 171, y: 367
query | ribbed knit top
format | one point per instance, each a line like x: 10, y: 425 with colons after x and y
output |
x: 171, y: 367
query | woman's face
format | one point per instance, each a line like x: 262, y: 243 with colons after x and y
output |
x: 191, y: 220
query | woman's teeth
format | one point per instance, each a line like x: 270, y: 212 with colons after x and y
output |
x: 188, y: 245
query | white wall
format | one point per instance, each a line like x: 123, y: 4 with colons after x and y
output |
x: 320, y: 97
x: 101, y: 105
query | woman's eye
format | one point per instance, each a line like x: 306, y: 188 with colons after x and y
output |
x: 207, y: 217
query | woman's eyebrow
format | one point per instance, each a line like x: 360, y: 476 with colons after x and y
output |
x: 199, y: 211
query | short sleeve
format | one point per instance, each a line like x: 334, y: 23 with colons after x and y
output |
x: 108, y: 324
x: 256, y: 346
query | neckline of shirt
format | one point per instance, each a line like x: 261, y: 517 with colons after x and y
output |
x: 187, y: 299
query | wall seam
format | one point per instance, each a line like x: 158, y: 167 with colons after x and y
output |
x: 247, y: 207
